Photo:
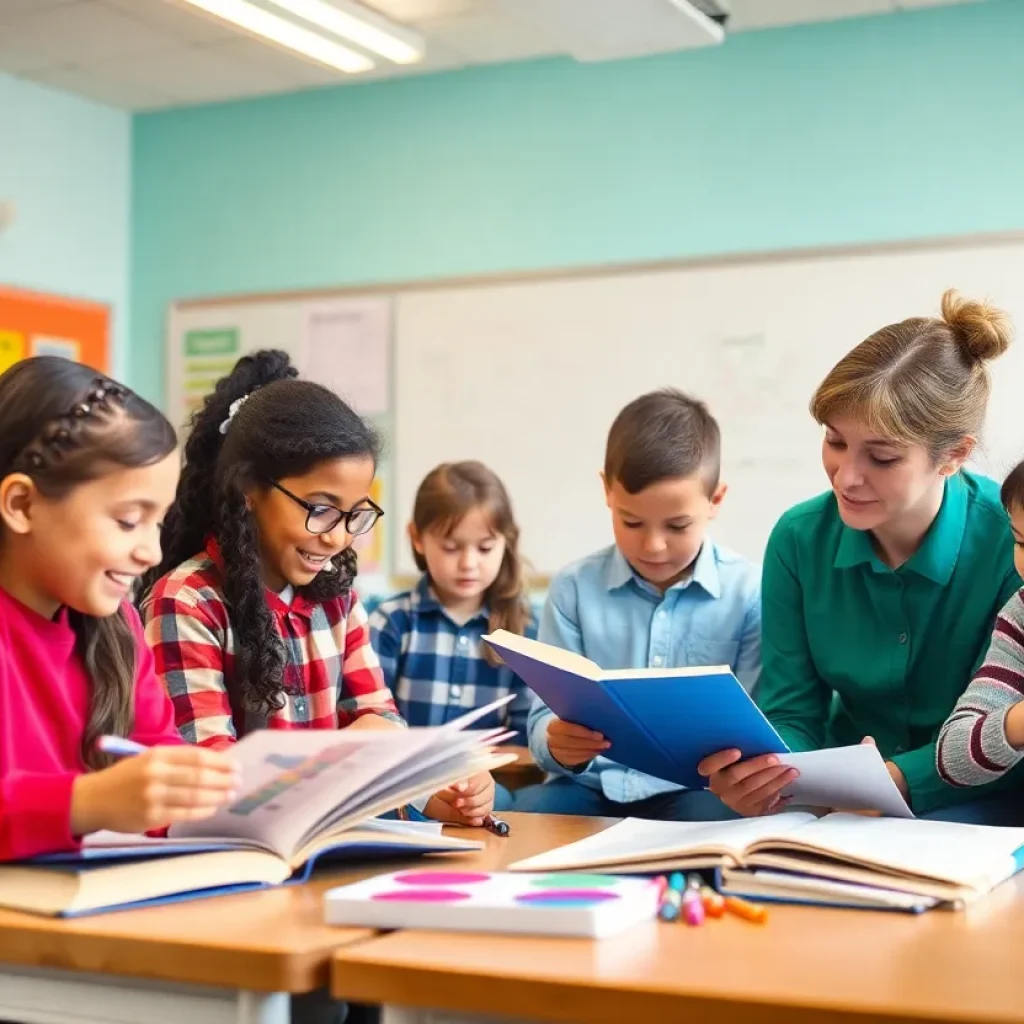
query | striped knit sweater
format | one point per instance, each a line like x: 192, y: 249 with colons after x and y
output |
x: 972, y: 747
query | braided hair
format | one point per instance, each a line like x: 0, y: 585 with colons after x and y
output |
x: 260, y: 424
x: 62, y: 425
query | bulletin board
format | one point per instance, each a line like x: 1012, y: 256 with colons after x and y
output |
x: 36, y: 324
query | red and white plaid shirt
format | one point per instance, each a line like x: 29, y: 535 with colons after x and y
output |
x: 332, y: 675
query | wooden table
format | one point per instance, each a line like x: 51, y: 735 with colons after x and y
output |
x: 805, y: 965
x: 230, y: 959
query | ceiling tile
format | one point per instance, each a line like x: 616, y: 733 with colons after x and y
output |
x: 754, y: 14
x: 82, y: 34
x: 95, y: 87
x: 12, y: 9
x: 181, y: 21
x: 201, y: 74
x: 280, y: 65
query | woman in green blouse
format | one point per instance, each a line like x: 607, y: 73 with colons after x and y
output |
x: 879, y: 596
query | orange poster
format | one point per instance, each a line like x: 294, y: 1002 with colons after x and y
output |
x: 34, y: 324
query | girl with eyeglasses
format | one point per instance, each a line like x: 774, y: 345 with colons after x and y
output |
x: 251, y: 614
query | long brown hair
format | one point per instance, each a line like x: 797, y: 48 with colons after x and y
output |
x: 922, y: 381
x: 447, y: 495
x: 62, y: 425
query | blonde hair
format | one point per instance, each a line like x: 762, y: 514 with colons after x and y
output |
x: 448, y: 494
x: 922, y: 381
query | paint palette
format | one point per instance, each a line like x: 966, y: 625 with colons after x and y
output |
x: 590, y: 906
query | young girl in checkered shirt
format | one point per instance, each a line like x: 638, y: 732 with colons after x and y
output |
x: 251, y: 614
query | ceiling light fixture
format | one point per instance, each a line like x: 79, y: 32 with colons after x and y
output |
x: 285, y: 33
x: 359, y: 25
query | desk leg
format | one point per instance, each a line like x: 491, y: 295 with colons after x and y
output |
x: 68, y: 997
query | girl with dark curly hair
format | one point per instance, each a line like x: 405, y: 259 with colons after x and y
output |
x: 251, y: 614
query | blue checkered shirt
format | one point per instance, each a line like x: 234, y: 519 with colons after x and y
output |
x: 436, y: 668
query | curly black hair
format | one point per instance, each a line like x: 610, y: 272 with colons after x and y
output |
x: 284, y: 428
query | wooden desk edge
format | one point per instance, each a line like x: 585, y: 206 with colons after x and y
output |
x: 355, y: 976
x: 186, y: 964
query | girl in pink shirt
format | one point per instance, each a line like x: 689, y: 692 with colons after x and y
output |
x: 87, y: 470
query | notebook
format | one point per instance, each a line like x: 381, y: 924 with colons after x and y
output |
x: 660, y: 721
x: 585, y: 906
x: 303, y: 796
x: 786, y: 887
x: 936, y: 860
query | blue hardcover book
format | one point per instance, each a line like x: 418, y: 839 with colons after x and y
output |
x: 304, y: 797
x: 660, y: 721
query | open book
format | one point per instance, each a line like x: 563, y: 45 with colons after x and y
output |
x: 935, y: 861
x: 660, y: 721
x: 303, y: 795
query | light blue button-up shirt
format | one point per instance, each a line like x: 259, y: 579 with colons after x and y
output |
x: 600, y: 608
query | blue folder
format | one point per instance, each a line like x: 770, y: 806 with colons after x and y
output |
x: 662, y: 722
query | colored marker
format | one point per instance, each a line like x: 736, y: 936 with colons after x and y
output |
x: 671, y: 902
x: 714, y: 902
x: 693, y: 908
x: 672, y: 898
x: 752, y: 912
x: 497, y: 826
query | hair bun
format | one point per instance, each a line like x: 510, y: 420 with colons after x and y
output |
x: 983, y: 331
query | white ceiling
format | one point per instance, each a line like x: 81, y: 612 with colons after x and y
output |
x: 146, y: 54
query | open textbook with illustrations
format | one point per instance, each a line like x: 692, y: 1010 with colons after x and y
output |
x: 304, y: 795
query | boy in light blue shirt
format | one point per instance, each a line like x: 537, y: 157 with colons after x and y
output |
x: 663, y: 596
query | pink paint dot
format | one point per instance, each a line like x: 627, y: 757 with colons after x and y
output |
x: 421, y: 896
x: 441, y: 878
x: 566, y: 897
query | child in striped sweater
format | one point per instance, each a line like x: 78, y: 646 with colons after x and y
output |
x: 983, y: 738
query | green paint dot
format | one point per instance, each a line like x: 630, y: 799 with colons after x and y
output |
x: 574, y: 881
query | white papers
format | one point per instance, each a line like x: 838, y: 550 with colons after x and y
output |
x: 846, y: 779
x: 346, y: 348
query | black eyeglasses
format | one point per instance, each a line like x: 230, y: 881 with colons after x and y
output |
x: 324, y: 518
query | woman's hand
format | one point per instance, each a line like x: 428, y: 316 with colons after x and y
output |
x: 751, y: 788
x: 465, y: 803
x: 163, y: 786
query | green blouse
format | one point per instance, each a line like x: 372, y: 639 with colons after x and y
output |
x: 852, y: 648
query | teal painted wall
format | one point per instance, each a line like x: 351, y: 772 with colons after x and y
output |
x: 893, y: 127
x: 66, y: 165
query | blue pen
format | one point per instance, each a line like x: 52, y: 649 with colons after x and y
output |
x: 118, y: 746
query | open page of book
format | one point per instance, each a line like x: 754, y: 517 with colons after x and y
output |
x: 292, y: 780
x: 419, y: 775
x: 973, y: 856
x: 505, y: 642
x: 845, y: 779
x: 635, y: 841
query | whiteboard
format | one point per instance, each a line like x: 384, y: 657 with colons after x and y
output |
x: 528, y: 376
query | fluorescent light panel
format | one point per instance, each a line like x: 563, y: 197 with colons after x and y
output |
x: 361, y: 26
x: 285, y: 33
